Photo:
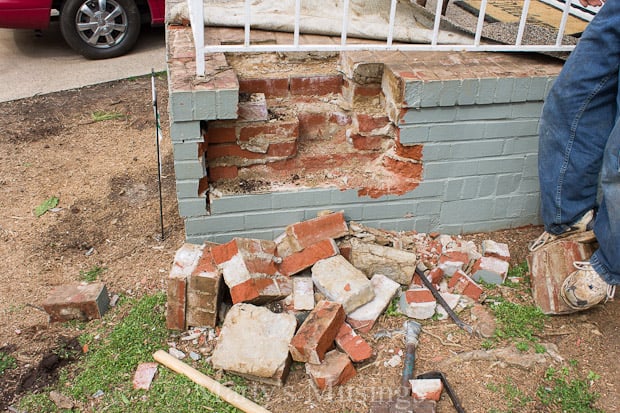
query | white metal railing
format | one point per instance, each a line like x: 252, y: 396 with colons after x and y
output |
x: 196, y: 14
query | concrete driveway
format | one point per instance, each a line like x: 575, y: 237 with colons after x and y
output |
x: 32, y: 65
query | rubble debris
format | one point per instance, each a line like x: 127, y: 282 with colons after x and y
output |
x: 77, y: 302
x: 490, y: 270
x: 204, y: 292
x: 364, y: 317
x: 184, y: 263
x: 494, y: 249
x: 506, y: 356
x: 352, y: 344
x: 254, y: 342
x: 452, y: 261
x: 426, y: 389
x: 398, y: 265
x: 306, y: 233
x: 143, y: 377
x: 335, y: 369
x: 303, y: 293
x: 452, y: 300
x: 418, y: 303
x: 341, y: 282
x: 61, y: 401
x: 551, y: 264
x: 461, y: 283
x: 176, y: 353
x: 317, y: 333
x: 299, y: 261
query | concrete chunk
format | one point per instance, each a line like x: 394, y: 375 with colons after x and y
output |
x: 303, y: 293
x: 364, y: 317
x: 498, y: 250
x: 341, y: 282
x: 254, y: 343
x: 317, y: 333
x: 77, y: 302
x: 490, y: 270
x: 426, y: 389
x: 418, y: 303
x: 398, y: 265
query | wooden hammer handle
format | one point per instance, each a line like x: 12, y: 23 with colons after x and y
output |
x: 213, y: 386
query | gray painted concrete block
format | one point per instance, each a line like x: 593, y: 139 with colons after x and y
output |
x: 240, y: 203
x: 493, y: 166
x: 521, y: 89
x: 185, y: 131
x: 503, y: 90
x: 428, y: 207
x: 507, y: 184
x: 303, y: 198
x: 348, y: 196
x: 426, y: 189
x: 537, y: 88
x: 436, y: 152
x: 276, y: 218
x: 483, y: 112
x: 352, y: 212
x: 454, y: 188
x: 488, y: 185
x: 451, y: 229
x: 185, y: 151
x: 477, y: 149
x: 227, y: 101
x: 521, y: 144
x: 508, y: 207
x: 388, y: 210
x: 486, y: 91
x: 431, y: 94
x: 549, y: 85
x: 214, y: 224
x: 530, y: 166
x: 205, y: 106
x: 181, y: 106
x: 450, y: 90
x: 469, y: 92
x: 412, y: 134
x: 442, y: 170
x: 486, y: 226
x: 529, y: 185
x: 413, y: 93
x: 457, y: 212
x: 527, y: 110
x: 471, y: 187
x: 187, y: 188
x: 457, y: 131
x: 192, y: 207
x: 189, y: 169
x: 511, y: 128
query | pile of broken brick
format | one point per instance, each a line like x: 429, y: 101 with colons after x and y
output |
x: 306, y: 295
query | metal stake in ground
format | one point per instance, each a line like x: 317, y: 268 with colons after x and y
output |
x: 158, y: 139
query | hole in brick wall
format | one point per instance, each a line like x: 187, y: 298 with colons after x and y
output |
x: 316, y: 132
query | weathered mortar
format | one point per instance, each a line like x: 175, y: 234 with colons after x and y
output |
x: 466, y: 133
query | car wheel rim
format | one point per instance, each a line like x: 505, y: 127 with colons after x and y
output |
x: 101, y: 23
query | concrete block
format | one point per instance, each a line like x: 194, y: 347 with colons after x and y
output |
x: 299, y: 261
x: 537, y: 89
x: 240, y: 203
x: 490, y: 270
x: 185, y: 261
x: 271, y: 219
x: 520, y: 89
x: 426, y: 389
x: 335, y: 370
x: 204, y: 293
x: 364, y: 317
x: 495, y: 249
x: 452, y: 300
x: 205, y: 104
x: 418, y: 303
x: 352, y: 344
x: 452, y: 261
x: 185, y: 151
x: 461, y: 283
x: 302, y: 199
x: 429, y: 115
x: 206, y: 225
x: 457, y: 131
x: 185, y: 131
x: 193, y: 169
x: 412, y: 134
x: 226, y: 101
x: 504, y: 90
x: 254, y: 343
x: 181, y: 106
x: 77, y: 302
x: 510, y: 128
x: 526, y: 110
x: 303, y: 294
x: 317, y: 333
x: 398, y: 265
x: 469, y: 92
x: 188, y: 188
x: 306, y: 233
x: 450, y: 91
x: 341, y: 282
x: 193, y: 207
x: 431, y: 94
x: 250, y: 272
x: 486, y: 91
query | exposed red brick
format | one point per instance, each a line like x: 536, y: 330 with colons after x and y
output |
x: 203, y: 292
x: 220, y: 151
x: 203, y: 185
x: 345, y: 251
x: 316, y: 85
x: 435, y: 276
x: 368, y: 123
x: 314, y: 230
x: 277, y: 87
x: 419, y: 295
x: 426, y: 389
x: 340, y: 118
x: 221, y: 134
x: 299, y: 261
x: 352, y: 344
x: 222, y: 172
x: 460, y: 283
x: 176, y: 297
x: 411, y: 152
x: 335, y: 370
x: 287, y: 128
x: 406, y: 169
x: 77, y: 302
x: 224, y: 252
x: 282, y: 149
x: 353, y: 89
x: 312, y: 124
x: 317, y: 333
x: 261, y: 290
x: 366, y: 143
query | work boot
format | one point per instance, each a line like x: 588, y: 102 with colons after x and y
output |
x: 583, y: 224
x: 585, y: 288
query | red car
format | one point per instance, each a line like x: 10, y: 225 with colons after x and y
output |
x: 97, y: 29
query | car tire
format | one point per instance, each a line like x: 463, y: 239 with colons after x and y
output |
x: 100, y: 29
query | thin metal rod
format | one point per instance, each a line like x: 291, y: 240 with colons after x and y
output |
x: 157, y: 139
x: 392, y: 21
x: 565, y: 14
x: 524, y: 12
x: 297, y: 18
x: 481, y: 14
x: 345, y: 23
x: 437, y: 22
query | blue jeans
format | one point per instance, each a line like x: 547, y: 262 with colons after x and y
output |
x: 580, y: 140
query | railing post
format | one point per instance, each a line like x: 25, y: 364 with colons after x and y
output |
x: 197, y: 20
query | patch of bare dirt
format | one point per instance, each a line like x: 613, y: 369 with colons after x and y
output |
x: 105, y: 175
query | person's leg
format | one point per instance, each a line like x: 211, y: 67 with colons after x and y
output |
x: 578, y: 116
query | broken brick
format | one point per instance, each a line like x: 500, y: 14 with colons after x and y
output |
x: 253, y: 109
x: 316, y: 85
x: 418, y: 303
x: 306, y: 258
x: 77, y: 302
x: 498, y: 250
x: 185, y: 260
x: 452, y: 261
x: 317, y: 333
x: 490, y: 270
x: 396, y: 264
x: 306, y: 233
x: 364, y: 317
x: 143, y: 377
x: 426, y: 389
x: 204, y: 292
x: 335, y: 370
x: 461, y: 283
x: 352, y: 344
x: 435, y: 276
x: 341, y: 282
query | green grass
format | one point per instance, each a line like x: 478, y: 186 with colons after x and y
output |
x: 101, y: 116
x: 517, y: 321
x: 111, y: 361
x: 7, y: 362
x: 564, y: 392
x: 393, y: 310
x: 92, y: 274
